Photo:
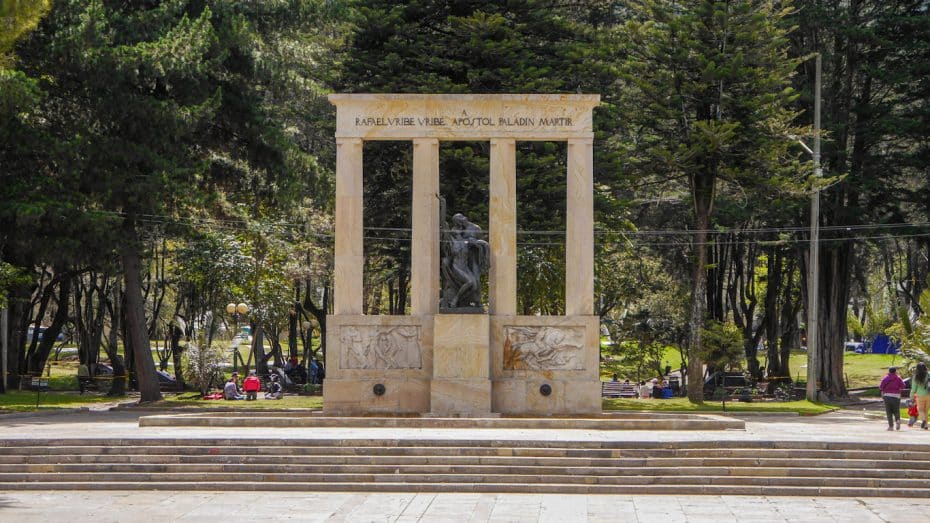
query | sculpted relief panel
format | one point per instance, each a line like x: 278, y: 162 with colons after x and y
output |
x: 380, y: 346
x: 543, y: 348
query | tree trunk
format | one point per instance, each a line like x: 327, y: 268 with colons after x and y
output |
x: 834, y: 299
x: 114, y: 305
x: 178, y: 328
x: 136, y: 327
x: 19, y: 307
x: 790, y: 333
x: 293, y: 321
x: 402, y: 280
x: 772, y: 292
x: 318, y: 312
x: 258, y: 350
x: 702, y: 191
x: 35, y: 361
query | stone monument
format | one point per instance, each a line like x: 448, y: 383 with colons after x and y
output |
x: 450, y: 357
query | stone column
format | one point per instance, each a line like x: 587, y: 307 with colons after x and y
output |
x: 424, y: 260
x: 502, y: 226
x: 579, y: 230
x: 349, y: 260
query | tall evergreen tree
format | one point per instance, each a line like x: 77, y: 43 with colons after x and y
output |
x: 875, y: 120
x: 706, y: 92
x: 164, y: 108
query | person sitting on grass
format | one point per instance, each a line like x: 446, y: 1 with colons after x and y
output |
x: 275, y: 391
x: 231, y: 389
x: 656, y: 388
x: 251, y: 386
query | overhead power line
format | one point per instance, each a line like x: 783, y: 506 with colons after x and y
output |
x: 237, y: 225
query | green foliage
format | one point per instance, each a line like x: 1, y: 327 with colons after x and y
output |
x: 855, y: 327
x: 723, y: 345
x: 704, y: 84
x: 203, y: 363
x: 18, y: 17
x: 915, y: 333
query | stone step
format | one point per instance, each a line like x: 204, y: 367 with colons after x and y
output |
x: 548, y: 488
x: 278, y: 469
x: 7, y: 444
x: 681, y: 422
x: 403, y: 460
x: 11, y: 454
x: 271, y: 480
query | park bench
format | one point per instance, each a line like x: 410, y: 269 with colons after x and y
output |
x: 615, y: 389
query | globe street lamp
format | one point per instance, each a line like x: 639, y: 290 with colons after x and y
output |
x: 235, y: 310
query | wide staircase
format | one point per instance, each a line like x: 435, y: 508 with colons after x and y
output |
x: 434, y: 465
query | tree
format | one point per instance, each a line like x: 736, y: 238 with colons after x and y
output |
x: 164, y: 110
x: 706, y: 89
x: 875, y: 122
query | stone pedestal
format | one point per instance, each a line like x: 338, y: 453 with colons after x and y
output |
x: 461, y: 383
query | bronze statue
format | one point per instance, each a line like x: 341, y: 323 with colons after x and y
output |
x: 465, y: 257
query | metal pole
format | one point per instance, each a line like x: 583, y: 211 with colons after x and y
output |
x: 813, y: 269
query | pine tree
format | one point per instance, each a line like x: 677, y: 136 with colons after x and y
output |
x: 705, y: 88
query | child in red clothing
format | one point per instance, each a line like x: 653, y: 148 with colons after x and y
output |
x: 912, y: 412
x: 251, y: 386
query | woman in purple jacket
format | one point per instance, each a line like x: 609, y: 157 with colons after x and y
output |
x: 891, y: 387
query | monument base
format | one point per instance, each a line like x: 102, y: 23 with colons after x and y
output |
x: 563, y: 397
x: 461, y: 384
x: 353, y: 396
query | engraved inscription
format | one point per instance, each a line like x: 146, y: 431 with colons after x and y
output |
x: 543, y: 348
x: 465, y: 120
x: 380, y: 346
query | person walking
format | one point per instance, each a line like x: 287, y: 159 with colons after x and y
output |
x: 891, y: 387
x: 921, y: 388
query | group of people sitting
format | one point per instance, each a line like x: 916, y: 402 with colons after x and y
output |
x: 299, y: 374
x: 657, y: 388
x: 251, y: 387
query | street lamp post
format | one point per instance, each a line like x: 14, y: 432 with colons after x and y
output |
x: 813, y: 266
x: 235, y: 310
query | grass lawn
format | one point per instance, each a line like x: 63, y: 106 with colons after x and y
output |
x: 193, y: 400
x: 25, y: 401
x: 683, y: 405
x: 670, y: 357
x: 862, y: 370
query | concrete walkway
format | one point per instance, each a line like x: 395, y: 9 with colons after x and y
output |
x: 102, y: 506
x: 837, y: 426
x: 131, y: 506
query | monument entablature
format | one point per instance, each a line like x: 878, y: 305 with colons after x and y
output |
x: 524, y: 117
x: 457, y: 358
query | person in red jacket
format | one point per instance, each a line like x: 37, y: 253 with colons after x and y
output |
x: 891, y: 387
x: 251, y: 386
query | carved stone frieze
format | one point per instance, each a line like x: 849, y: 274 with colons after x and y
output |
x: 380, y: 346
x: 543, y: 348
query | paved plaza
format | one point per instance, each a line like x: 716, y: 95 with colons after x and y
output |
x: 103, y: 506
x: 132, y: 506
